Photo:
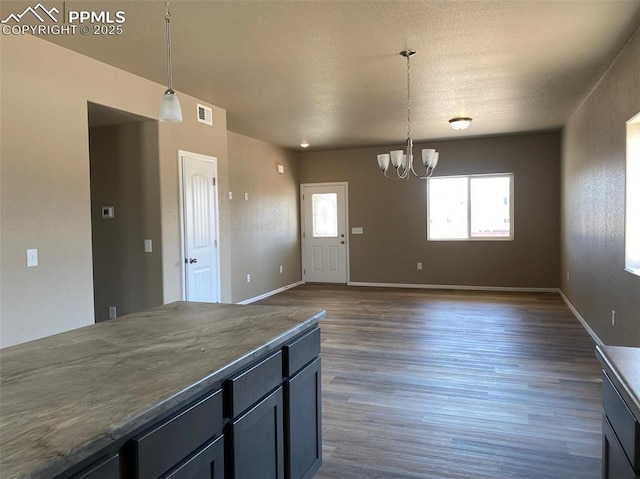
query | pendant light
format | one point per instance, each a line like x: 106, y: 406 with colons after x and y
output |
x: 170, y: 110
x: 402, y: 160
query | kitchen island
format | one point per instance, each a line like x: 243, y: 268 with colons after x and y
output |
x: 180, y: 388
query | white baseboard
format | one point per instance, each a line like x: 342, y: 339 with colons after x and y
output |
x: 584, y: 323
x: 575, y: 312
x: 271, y: 293
x: 453, y: 286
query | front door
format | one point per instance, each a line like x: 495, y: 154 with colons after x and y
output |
x: 200, y: 212
x: 324, y: 232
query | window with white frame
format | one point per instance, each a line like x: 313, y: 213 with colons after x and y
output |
x: 632, y: 203
x: 471, y: 207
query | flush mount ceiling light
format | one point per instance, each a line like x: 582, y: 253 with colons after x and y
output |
x: 402, y: 160
x: 461, y: 123
x: 304, y: 144
x: 170, y: 110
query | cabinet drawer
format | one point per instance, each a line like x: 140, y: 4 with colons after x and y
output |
x: 252, y: 385
x: 301, y: 352
x: 206, y: 463
x: 622, y: 421
x: 105, y: 469
x: 169, y: 443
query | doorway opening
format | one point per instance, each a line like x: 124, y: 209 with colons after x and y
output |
x: 125, y: 212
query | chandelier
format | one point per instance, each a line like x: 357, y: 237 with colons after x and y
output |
x: 402, y: 160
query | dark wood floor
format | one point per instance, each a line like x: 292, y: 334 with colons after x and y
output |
x: 454, y: 384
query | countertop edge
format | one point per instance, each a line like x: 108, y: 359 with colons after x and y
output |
x: 628, y: 393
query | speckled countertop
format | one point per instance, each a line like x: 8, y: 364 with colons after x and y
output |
x: 66, y: 397
x: 622, y: 364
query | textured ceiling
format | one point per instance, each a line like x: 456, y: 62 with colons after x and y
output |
x: 330, y: 73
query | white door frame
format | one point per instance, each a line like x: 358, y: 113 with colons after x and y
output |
x: 346, y: 226
x: 183, y: 244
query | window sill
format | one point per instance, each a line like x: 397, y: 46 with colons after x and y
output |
x: 635, y: 271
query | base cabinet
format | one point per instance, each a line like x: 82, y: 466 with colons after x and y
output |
x: 262, y: 422
x: 257, y: 440
x: 303, y: 422
x: 620, y: 435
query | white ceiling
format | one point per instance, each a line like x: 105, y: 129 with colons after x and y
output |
x: 330, y: 73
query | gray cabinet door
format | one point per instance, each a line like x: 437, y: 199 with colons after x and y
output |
x: 615, y: 464
x: 303, y: 423
x: 206, y: 463
x: 257, y: 439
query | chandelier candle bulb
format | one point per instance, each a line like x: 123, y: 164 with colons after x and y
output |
x: 396, y: 158
x: 383, y: 161
x: 427, y: 156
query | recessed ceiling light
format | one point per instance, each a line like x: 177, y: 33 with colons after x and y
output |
x: 460, y: 123
x: 304, y: 144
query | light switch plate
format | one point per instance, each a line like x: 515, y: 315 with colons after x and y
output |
x: 32, y: 258
x: 357, y: 230
x: 148, y: 246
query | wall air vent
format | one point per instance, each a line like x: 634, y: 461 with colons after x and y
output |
x: 205, y: 115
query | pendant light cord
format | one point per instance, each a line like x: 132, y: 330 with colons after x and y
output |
x: 167, y: 17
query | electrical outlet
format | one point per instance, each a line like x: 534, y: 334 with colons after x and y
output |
x: 32, y: 258
x: 248, y: 278
x: 112, y: 312
x: 281, y: 269
x: 613, y: 318
x: 419, y: 266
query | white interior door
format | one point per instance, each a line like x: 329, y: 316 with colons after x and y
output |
x: 324, y: 232
x: 200, y: 229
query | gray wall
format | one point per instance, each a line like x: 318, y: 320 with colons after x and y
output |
x: 393, y: 214
x: 45, y: 186
x: 125, y: 175
x: 265, y: 230
x: 593, y: 204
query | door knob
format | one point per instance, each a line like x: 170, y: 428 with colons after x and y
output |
x: 193, y: 260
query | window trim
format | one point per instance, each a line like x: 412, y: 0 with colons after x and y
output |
x: 469, y: 237
x: 632, y: 205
